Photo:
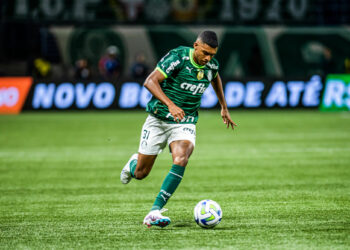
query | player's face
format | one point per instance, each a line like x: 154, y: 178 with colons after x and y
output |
x: 203, y: 53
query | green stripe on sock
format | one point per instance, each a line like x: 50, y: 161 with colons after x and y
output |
x: 133, y: 164
x: 170, y: 183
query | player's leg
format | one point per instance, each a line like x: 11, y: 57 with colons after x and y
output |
x: 143, y: 166
x: 181, y: 151
x: 138, y: 167
x: 181, y: 142
x: 152, y: 141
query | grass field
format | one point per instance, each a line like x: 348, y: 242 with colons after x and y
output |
x: 281, y: 178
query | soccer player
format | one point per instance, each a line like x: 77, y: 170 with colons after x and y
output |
x: 177, y: 85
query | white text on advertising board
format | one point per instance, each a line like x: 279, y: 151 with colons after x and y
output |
x: 337, y: 94
x: 63, y: 96
x: 252, y: 94
x: 8, y: 96
x: 281, y: 94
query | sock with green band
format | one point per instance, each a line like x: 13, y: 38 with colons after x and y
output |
x: 133, y: 164
x: 170, y: 183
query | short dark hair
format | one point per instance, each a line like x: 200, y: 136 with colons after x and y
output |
x: 209, y: 37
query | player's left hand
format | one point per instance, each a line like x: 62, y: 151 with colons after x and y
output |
x: 227, y: 118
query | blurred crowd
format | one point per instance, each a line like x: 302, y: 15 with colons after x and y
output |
x: 109, y: 67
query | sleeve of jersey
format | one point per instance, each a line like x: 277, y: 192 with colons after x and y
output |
x: 216, y: 71
x: 216, y: 74
x: 169, y: 64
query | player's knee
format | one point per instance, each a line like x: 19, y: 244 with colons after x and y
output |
x: 181, y: 161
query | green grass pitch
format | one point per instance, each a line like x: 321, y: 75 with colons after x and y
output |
x: 281, y: 178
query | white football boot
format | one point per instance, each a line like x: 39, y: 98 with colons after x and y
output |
x: 125, y: 175
x: 155, y: 218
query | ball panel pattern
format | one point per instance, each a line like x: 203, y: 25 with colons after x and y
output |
x: 207, y: 213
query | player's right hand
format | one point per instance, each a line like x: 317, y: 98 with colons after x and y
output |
x: 176, y: 112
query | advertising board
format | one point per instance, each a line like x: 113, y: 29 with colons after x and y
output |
x: 251, y: 94
x: 13, y: 93
x: 23, y: 93
x: 336, y: 96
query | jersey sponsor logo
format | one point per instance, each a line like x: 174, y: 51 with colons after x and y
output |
x: 13, y: 93
x: 172, y: 66
x: 185, y: 119
x: 200, y: 88
x: 212, y: 66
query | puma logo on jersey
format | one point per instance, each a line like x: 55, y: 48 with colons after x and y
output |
x: 200, y: 88
x: 189, y: 69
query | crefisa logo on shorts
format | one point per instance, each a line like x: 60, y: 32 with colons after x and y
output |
x: 189, y: 130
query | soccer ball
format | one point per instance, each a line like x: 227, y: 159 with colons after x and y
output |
x: 207, y: 213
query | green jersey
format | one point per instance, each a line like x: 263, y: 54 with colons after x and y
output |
x: 185, y: 82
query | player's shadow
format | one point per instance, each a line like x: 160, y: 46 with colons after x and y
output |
x: 190, y: 224
x: 183, y: 224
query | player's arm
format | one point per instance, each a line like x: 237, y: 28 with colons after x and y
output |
x: 152, y: 83
x: 217, y: 86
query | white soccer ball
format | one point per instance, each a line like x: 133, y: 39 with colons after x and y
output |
x: 207, y: 213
